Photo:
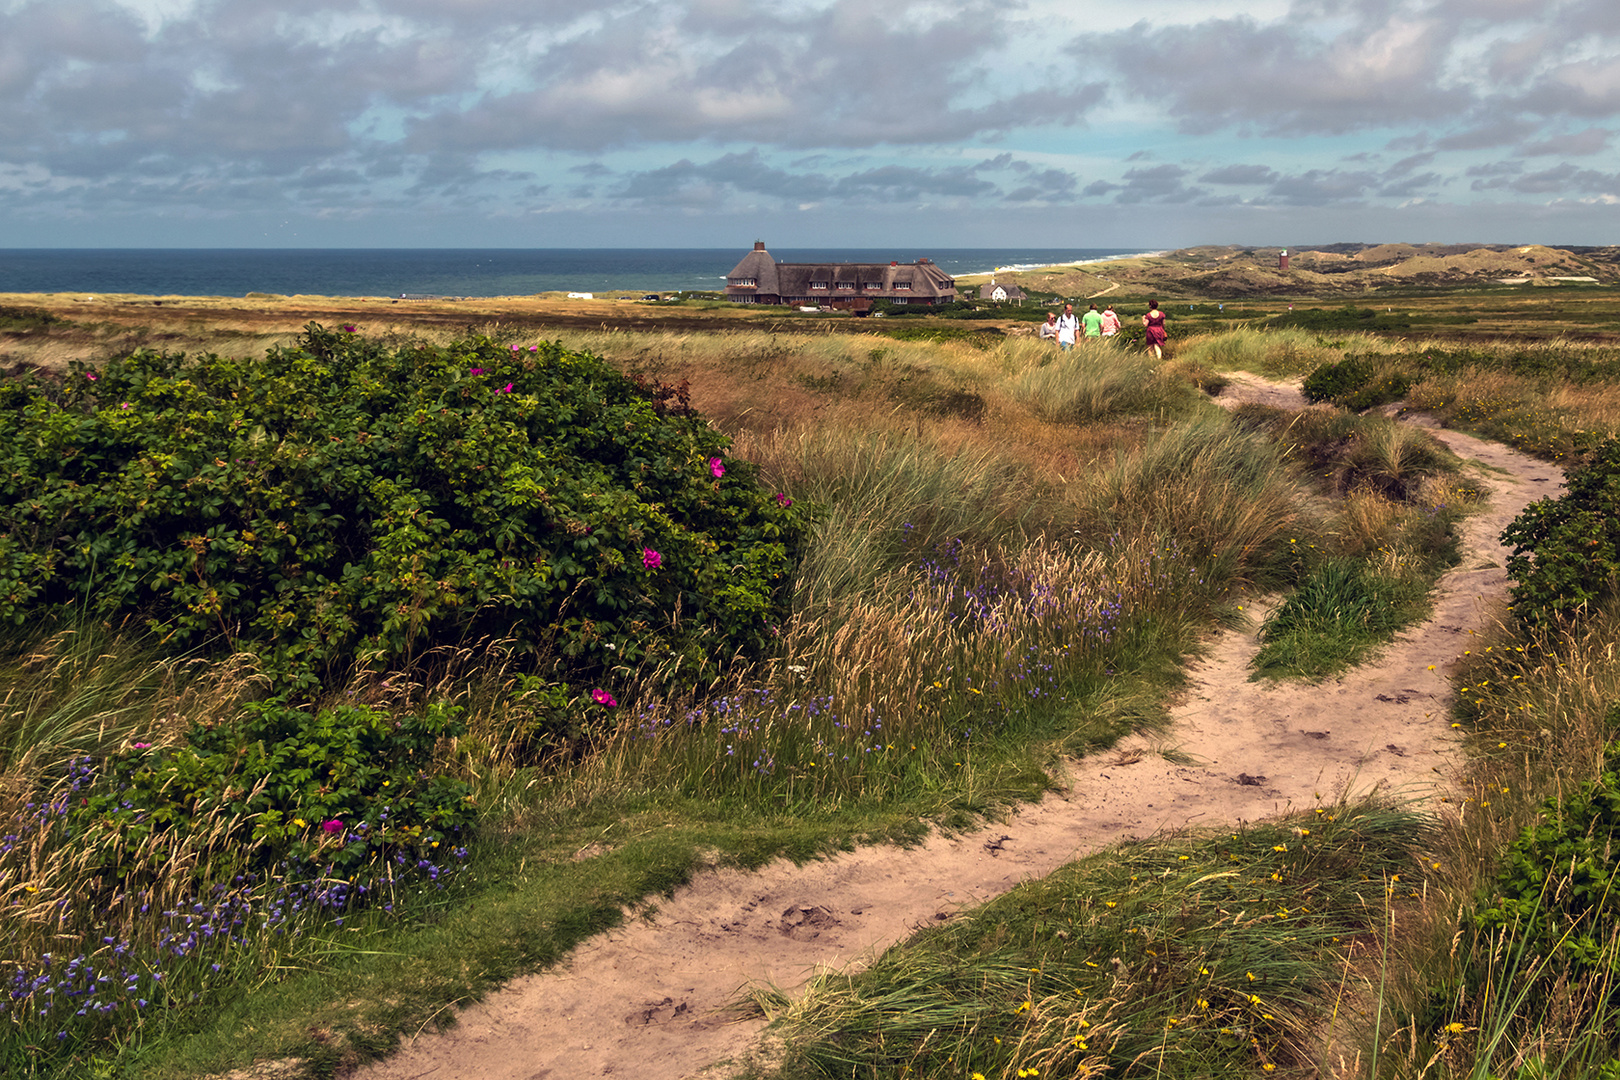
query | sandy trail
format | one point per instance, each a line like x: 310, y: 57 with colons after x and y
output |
x: 649, y: 1000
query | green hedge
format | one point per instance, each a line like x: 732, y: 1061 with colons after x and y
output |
x: 342, y: 501
x: 1566, y: 551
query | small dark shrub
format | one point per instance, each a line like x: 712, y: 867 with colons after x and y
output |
x: 1566, y: 551
x: 1380, y: 391
x: 1556, y: 892
x: 339, y: 787
x: 1355, y: 383
x: 23, y: 319
x: 1330, y: 382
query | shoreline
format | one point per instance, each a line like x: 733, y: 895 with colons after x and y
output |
x: 1025, y: 268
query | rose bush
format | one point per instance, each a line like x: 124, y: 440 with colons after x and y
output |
x: 344, y: 501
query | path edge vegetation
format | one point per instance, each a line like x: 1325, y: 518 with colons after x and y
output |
x: 1013, y: 774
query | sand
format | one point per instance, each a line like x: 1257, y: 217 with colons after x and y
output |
x: 656, y: 999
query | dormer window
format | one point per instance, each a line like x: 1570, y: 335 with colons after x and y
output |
x: 744, y: 283
x: 902, y: 286
x: 820, y: 285
x: 846, y: 286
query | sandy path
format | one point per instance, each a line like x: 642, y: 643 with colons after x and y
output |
x: 648, y: 1000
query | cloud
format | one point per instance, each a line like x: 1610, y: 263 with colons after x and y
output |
x: 1316, y: 187
x: 801, y: 79
x: 1385, y: 66
x: 1497, y: 132
x: 1564, y: 179
x: 1410, y: 186
x: 725, y: 180
x: 1594, y: 140
x: 1240, y: 174
x: 1469, y: 73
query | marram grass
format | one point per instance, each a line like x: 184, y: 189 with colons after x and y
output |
x: 1205, y: 954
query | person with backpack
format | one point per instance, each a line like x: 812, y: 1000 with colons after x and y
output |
x: 1067, y: 327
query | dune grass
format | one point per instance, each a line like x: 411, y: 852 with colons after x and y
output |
x: 987, y: 586
x: 1197, y: 955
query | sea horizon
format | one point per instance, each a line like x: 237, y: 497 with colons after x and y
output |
x: 464, y: 272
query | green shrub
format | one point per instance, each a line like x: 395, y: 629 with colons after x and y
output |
x: 338, y: 787
x: 23, y: 319
x: 1356, y: 383
x: 1333, y: 381
x: 1566, y: 551
x: 1556, y: 892
x: 343, y: 502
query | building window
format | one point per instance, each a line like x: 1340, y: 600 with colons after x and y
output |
x: 902, y: 286
x: 846, y: 286
x: 873, y: 286
x: 744, y: 282
x: 822, y: 285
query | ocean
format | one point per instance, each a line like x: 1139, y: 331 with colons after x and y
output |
x: 450, y: 271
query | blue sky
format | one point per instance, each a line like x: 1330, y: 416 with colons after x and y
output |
x: 712, y: 123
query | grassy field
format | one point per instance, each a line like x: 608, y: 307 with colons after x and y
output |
x: 1011, y: 559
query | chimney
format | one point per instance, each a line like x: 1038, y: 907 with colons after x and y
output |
x: 759, y: 245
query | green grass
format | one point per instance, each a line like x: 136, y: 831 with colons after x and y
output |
x: 1340, y: 614
x: 1197, y: 955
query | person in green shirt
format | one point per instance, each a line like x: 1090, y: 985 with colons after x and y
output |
x: 1091, y: 322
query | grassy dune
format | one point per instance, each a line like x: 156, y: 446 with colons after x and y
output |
x: 1014, y: 553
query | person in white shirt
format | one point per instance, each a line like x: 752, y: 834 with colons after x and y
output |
x: 1049, y: 327
x: 1068, y: 325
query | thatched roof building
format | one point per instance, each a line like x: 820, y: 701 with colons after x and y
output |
x: 760, y: 279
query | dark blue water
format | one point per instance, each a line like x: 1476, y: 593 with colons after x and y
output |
x: 446, y: 271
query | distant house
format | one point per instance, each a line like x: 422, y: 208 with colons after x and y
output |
x: 760, y: 279
x: 1000, y: 293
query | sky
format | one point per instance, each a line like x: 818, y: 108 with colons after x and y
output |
x: 823, y: 123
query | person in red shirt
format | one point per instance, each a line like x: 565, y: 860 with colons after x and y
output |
x: 1154, y: 321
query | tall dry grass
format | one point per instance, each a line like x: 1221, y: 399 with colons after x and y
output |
x: 1537, y: 714
x: 1097, y: 381
x: 886, y: 688
x: 1227, y: 498
x: 1284, y: 351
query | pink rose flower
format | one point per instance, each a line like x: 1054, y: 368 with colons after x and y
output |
x: 602, y: 697
x: 651, y: 559
x: 332, y: 826
x: 717, y: 467
x: 782, y: 499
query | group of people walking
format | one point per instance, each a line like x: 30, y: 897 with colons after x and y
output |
x: 1067, y: 328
